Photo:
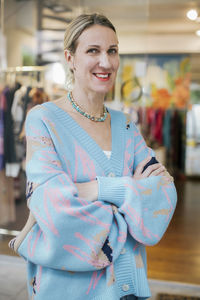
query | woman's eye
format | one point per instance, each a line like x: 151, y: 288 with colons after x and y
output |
x: 92, y: 50
x: 112, y: 51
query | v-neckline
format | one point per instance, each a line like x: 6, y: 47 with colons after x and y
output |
x: 112, y: 165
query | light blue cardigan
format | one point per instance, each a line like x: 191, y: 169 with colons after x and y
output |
x: 77, y: 249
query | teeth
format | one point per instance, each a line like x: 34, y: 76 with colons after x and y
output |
x: 102, y: 75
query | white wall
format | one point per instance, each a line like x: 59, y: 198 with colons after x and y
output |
x: 20, y: 29
x: 160, y: 43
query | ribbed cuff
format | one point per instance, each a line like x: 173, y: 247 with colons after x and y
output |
x: 112, y: 189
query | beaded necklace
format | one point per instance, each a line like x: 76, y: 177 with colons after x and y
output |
x: 85, y: 114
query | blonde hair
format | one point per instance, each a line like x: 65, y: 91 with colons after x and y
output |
x: 79, y: 24
x: 75, y: 29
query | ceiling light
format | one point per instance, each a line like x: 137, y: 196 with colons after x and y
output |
x: 192, y: 14
x: 198, y: 32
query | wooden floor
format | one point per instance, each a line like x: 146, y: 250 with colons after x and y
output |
x: 177, y: 256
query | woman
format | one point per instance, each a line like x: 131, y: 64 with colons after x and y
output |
x: 93, y: 207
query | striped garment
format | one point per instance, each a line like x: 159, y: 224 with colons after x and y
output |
x: 77, y: 249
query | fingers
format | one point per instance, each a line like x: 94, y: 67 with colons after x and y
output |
x: 161, y: 171
x: 157, y: 169
x: 141, y: 165
x: 138, y: 171
x: 154, y: 170
x: 168, y: 177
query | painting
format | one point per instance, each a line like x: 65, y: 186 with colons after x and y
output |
x: 155, y: 80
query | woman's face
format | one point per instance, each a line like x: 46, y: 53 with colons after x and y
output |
x: 96, y: 60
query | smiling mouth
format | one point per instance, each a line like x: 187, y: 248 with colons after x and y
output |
x: 102, y: 76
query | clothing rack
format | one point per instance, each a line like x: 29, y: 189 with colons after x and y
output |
x: 26, y: 69
x: 34, y: 71
x: 29, y: 76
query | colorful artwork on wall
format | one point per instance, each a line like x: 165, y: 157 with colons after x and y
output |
x: 158, y: 80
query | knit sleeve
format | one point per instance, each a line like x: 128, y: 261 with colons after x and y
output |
x: 70, y: 233
x: 141, y: 150
x: 147, y: 205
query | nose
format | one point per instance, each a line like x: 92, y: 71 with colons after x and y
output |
x: 104, y: 61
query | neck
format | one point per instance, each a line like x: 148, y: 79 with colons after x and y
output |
x: 88, y: 101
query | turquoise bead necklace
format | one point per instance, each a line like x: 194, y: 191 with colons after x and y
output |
x: 85, y: 114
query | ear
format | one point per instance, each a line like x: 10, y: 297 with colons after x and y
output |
x: 69, y: 59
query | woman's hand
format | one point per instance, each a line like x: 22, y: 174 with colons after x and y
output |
x: 152, y: 170
x: 88, y: 190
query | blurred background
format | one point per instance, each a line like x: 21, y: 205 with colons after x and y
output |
x: 158, y: 84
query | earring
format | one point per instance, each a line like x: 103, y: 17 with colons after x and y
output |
x: 70, y: 80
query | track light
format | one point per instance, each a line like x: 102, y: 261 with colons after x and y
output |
x: 192, y: 14
x: 198, y: 32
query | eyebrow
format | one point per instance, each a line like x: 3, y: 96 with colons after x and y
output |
x: 97, y: 46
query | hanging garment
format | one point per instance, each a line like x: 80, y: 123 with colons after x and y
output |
x: 38, y: 96
x: 12, y: 166
x: 9, y: 144
x: 2, y: 113
x: 178, y: 139
x: 158, y: 126
x: 167, y: 129
x: 17, y: 109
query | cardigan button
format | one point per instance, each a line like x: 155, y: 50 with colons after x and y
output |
x: 125, y: 287
x: 111, y: 174
x: 123, y: 251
